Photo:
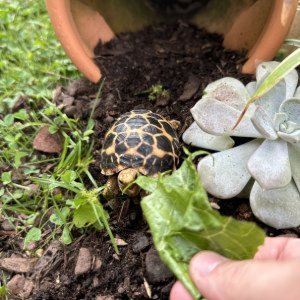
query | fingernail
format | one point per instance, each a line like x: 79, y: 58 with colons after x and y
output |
x: 205, y: 262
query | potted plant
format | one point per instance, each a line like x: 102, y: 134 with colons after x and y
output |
x: 258, y: 26
x: 271, y: 157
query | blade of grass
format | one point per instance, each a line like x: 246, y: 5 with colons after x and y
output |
x: 292, y: 42
x: 287, y: 65
x: 106, y: 225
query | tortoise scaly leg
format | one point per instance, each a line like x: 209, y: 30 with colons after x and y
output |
x: 111, y: 189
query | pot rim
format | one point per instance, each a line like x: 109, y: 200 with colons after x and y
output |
x: 78, y: 49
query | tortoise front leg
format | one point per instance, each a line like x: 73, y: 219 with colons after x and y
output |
x: 111, y: 189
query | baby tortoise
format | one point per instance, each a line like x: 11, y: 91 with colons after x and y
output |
x: 139, y: 142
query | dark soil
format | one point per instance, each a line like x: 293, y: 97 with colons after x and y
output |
x: 183, y: 59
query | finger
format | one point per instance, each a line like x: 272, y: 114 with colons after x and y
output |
x: 179, y: 292
x: 218, y: 278
x: 279, y: 248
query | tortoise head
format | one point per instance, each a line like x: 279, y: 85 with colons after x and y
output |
x: 127, y: 177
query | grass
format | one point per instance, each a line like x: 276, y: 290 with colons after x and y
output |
x: 32, y: 63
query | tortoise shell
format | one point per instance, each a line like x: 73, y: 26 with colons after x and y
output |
x: 142, y: 140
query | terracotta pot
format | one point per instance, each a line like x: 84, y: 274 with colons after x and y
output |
x: 258, y: 26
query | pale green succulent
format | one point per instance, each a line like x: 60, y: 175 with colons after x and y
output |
x: 271, y: 157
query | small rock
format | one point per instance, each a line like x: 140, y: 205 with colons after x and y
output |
x: 17, y: 264
x: 162, y: 100
x: 120, y: 242
x: 116, y: 256
x: 70, y: 111
x: 97, y: 264
x: 33, y: 189
x: 156, y: 270
x: 16, y: 284
x: 7, y: 225
x: 78, y: 87
x: 215, y: 205
x: 107, y: 297
x: 142, y: 242
x: 31, y: 246
x: 53, y: 250
x: 121, y: 289
x: 56, y: 94
x: 96, y: 281
x: 84, y: 261
x: 190, y: 88
x: 47, y: 142
x: 67, y: 100
x: 108, y: 119
x: 20, y: 286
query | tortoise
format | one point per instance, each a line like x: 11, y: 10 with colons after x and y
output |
x: 139, y: 142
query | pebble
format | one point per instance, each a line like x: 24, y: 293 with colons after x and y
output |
x: 7, y: 226
x: 121, y: 290
x: 97, y: 264
x: 107, y: 297
x: 190, y: 88
x: 70, y: 111
x: 142, y: 242
x: 67, y: 100
x: 108, y: 120
x: 20, y: 286
x: 17, y: 264
x: 48, y: 255
x: 156, y: 270
x: 33, y: 189
x: 96, y: 282
x: 77, y: 87
x: 46, y: 142
x: 84, y: 261
x: 56, y: 94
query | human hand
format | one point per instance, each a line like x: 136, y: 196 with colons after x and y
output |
x: 274, y: 273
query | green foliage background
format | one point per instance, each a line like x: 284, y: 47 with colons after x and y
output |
x: 32, y: 61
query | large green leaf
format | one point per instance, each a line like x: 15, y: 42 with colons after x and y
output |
x: 183, y: 223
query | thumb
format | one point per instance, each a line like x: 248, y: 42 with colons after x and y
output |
x: 218, y: 278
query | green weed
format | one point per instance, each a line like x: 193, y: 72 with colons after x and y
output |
x: 46, y: 189
x: 31, y: 59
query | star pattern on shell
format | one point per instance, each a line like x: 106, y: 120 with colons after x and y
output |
x: 142, y: 140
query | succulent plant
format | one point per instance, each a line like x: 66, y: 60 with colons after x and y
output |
x: 270, y: 155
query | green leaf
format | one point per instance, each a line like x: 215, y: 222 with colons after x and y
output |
x: 56, y: 219
x: 8, y: 120
x: 18, y: 156
x: 6, y: 177
x: 183, y: 223
x: 53, y: 128
x: 33, y: 235
x: 84, y: 216
x: 69, y: 176
x: 90, y: 126
x: 21, y: 114
x: 66, y: 236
